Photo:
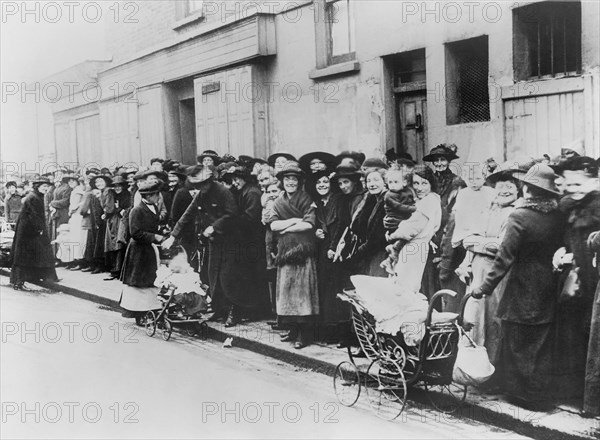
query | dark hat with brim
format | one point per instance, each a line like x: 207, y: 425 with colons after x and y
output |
x: 510, y: 169
x: 349, y: 172
x: 374, y: 163
x: 540, y: 176
x: 10, y: 183
x: 273, y: 157
x: 92, y: 171
x: 209, y: 153
x: 441, y: 150
x: 119, y: 180
x: 357, y: 156
x: 327, y: 158
x: 159, y: 174
x: 106, y: 178
x: 292, y: 168
x: 179, y: 172
x: 195, y: 170
x: 40, y: 180
x: 149, y: 188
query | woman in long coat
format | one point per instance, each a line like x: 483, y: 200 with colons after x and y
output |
x: 332, y: 276
x: 141, y: 258
x: 252, y: 261
x: 115, y: 201
x: 32, y: 254
x: 214, y: 210
x: 591, y: 396
x: 368, y: 226
x: 528, y: 305
x: 581, y: 206
x: 103, y: 200
x: 297, y: 289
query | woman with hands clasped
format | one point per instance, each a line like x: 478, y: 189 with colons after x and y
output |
x: 297, y: 291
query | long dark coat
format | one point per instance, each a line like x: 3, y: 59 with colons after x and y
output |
x: 252, y: 269
x: 574, y: 317
x: 332, y: 277
x: 527, y: 307
x: 215, y: 206
x: 60, y: 201
x: 139, y: 268
x: 32, y: 254
x: 188, y: 237
x: 368, y: 226
x: 591, y: 396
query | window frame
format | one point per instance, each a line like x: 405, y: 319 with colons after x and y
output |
x: 540, y: 15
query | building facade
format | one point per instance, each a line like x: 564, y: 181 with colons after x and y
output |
x: 498, y: 79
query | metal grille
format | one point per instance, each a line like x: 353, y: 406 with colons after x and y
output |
x: 473, y: 96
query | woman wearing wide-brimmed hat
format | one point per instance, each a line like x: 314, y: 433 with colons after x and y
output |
x: 31, y: 253
x: 208, y: 158
x: 484, y: 241
x: 528, y: 305
x: 348, y: 179
x: 317, y: 161
x: 278, y: 160
x: 101, y: 191
x: 297, y: 290
x: 115, y: 202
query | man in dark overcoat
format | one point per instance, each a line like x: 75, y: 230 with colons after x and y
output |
x: 214, y: 210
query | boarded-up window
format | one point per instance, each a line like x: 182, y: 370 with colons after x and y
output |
x: 547, y: 39
x: 467, y: 95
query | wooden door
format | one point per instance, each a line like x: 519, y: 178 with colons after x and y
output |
x: 411, y: 111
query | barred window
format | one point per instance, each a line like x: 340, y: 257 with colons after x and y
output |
x: 547, y: 39
x: 467, y: 95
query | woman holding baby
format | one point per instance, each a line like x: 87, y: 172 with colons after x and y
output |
x: 418, y: 232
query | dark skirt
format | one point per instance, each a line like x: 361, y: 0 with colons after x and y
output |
x: 526, y: 360
x: 591, y: 397
x: 21, y: 274
x: 332, y: 279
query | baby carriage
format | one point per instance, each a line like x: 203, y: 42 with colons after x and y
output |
x: 7, y: 235
x: 396, y: 361
x: 188, y: 310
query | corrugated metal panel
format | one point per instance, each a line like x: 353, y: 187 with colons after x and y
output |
x: 542, y: 124
x: 151, y: 125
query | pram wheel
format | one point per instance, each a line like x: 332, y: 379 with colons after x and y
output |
x: 167, y: 330
x: 150, y: 323
x: 447, y: 398
x: 386, y: 389
x: 346, y: 383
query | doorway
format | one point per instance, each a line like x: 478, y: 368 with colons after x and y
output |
x: 411, y: 111
x: 408, y: 85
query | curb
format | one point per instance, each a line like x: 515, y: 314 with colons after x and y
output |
x: 489, y: 414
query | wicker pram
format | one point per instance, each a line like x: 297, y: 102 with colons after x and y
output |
x: 394, y: 365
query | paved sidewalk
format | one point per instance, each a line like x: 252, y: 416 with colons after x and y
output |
x: 561, y: 423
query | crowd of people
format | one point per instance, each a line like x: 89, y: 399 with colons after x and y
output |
x: 278, y: 238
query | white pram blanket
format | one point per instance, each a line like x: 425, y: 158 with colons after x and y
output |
x: 394, y: 308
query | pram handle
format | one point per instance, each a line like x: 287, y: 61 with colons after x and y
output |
x: 438, y: 295
x: 463, y: 304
